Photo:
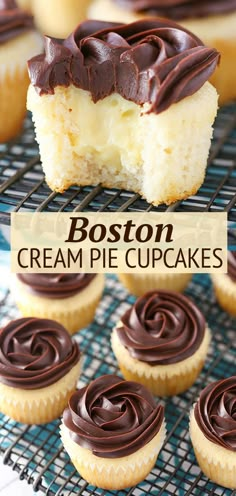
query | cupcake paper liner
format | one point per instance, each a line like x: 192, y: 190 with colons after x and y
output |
x: 139, y: 284
x: 162, y: 380
x: 39, y: 405
x: 114, y: 473
x: 225, y: 291
x: 216, y: 462
x: 74, y: 313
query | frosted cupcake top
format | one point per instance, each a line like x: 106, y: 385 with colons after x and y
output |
x: 13, y: 21
x: 112, y: 417
x: 179, y: 9
x: 162, y: 328
x: 232, y: 265
x: 55, y: 286
x: 215, y: 413
x: 35, y: 353
x: 149, y: 61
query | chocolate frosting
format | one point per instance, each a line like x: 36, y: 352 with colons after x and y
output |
x: 112, y: 417
x: 35, y: 353
x: 179, y: 9
x: 232, y: 265
x: 215, y: 413
x: 56, y: 286
x: 162, y: 328
x: 154, y: 61
x: 13, y: 21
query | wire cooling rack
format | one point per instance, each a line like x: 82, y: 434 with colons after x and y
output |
x: 22, y: 185
x: 36, y: 451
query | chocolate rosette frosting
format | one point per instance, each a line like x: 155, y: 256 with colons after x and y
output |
x: 55, y: 286
x: 232, y: 265
x: 35, y: 353
x: 162, y: 328
x: 13, y: 21
x: 179, y: 9
x: 149, y: 61
x: 215, y: 413
x: 112, y: 417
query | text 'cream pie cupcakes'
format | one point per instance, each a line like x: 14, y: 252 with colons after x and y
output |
x: 139, y: 284
x: 213, y: 21
x: 225, y: 286
x: 213, y: 431
x: 117, y: 104
x: 113, y: 432
x: 39, y: 369
x: 18, y: 42
x: 71, y: 299
x: 162, y: 342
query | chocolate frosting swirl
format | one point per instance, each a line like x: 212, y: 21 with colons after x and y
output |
x: 154, y: 61
x: 56, y: 286
x: 162, y: 328
x: 215, y: 413
x: 13, y: 21
x: 112, y: 417
x: 232, y: 265
x: 179, y: 9
x: 35, y: 353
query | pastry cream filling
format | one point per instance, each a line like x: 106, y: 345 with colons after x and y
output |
x: 116, y: 142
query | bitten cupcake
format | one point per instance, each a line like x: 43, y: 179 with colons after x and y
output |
x: 139, y: 284
x: 225, y: 286
x: 213, y: 21
x: 162, y: 342
x: 39, y: 369
x: 149, y: 81
x: 113, y: 432
x: 18, y: 42
x: 71, y: 299
x: 213, y: 432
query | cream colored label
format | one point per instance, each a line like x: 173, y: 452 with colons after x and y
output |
x: 119, y: 242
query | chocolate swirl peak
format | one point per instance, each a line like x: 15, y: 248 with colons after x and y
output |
x: 55, y: 285
x: 162, y: 328
x: 112, y: 417
x: 215, y: 413
x: 232, y: 265
x: 35, y: 353
x: 13, y: 21
x: 149, y: 61
x: 179, y: 9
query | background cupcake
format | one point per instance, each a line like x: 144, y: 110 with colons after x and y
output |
x: 139, y: 284
x: 113, y: 432
x: 18, y: 42
x: 162, y: 342
x: 225, y: 286
x: 39, y: 369
x: 213, y: 431
x: 71, y: 299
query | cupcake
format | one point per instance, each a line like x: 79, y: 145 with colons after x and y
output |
x: 139, y: 284
x: 25, y: 5
x: 162, y: 342
x: 111, y: 73
x: 71, y: 299
x: 213, y: 21
x: 39, y: 369
x: 59, y: 17
x: 225, y: 286
x: 113, y: 432
x: 18, y: 42
x: 213, y: 432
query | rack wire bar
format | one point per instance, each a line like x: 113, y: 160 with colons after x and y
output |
x: 36, y: 452
x: 22, y: 185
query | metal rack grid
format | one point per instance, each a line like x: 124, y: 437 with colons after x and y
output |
x: 22, y: 185
x: 36, y: 451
